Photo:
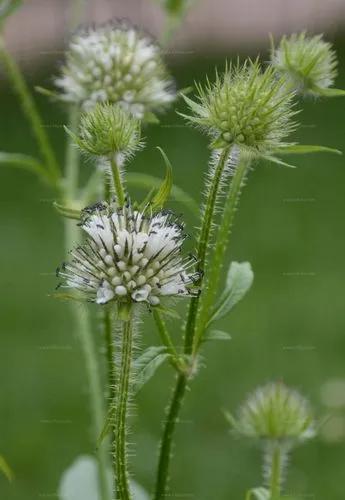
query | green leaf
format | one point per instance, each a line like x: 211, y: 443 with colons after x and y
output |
x: 81, y: 481
x: 167, y: 311
x: 148, y: 181
x: 301, y: 149
x: 276, y: 160
x: 47, y: 92
x: 7, y: 7
x: 216, y: 335
x: 5, y: 469
x: 258, y: 494
x: 25, y: 162
x: 69, y: 296
x: 329, y: 92
x: 68, y: 212
x: 239, y: 280
x: 162, y: 196
x: 150, y: 118
x: 147, y: 364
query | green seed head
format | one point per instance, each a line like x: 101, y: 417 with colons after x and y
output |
x: 116, y: 63
x: 275, y: 412
x: 108, y: 130
x: 245, y: 106
x: 308, y: 63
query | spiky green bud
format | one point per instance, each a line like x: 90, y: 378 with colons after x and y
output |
x: 245, y: 106
x: 116, y: 63
x: 308, y: 63
x: 107, y: 131
x: 275, y: 412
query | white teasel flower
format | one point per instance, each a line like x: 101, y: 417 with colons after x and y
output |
x: 130, y: 256
x: 116, y: 63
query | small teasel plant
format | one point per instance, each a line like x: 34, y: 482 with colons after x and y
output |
x: 116, y: 63
x: 309, y: 63
x: 127, y: 256
x: 278, y: 419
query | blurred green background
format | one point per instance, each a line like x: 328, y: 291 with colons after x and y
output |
x: 290, y: 326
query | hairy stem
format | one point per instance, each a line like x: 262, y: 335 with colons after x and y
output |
x: 168, y: 435
x: 120, y: 424
x: 214, y: 270
x: 275, y: 472
x: 181, y: 384
x: 83, y: 321
x: 119, y: 190
x: 203, y: 243
x: 31, y: 112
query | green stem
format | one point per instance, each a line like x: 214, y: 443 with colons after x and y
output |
x: 119, y: 190
x: 166, y: 340
x: 181, y: 384
x: 203, y: 243
x: 83, y: 321
x: 120, y: 424
x: 222, y: 242
x: 167, y: 438
x: 31, y: 112
x: 275, y: 472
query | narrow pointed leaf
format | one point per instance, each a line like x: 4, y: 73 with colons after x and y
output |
x: 162, y: 196
x: 47, y: 92
x: 301, y: 149
x: 148, y: 181
x: 24, y: 162
x: 216, y: 335
x: 329, y: 92
x: 68, y: 212
x: 239, y: 280
x: 276, y: 160
x: 147, y: 364
x: 5, y: 469
x: 107, y: 425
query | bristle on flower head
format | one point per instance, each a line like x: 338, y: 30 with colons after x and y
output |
x: 275, y: 412
x: 308, y: 63
x: 245, y: 106
x: 130, y: 257
x: 117, y: 64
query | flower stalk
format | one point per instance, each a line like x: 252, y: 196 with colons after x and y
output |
x: 121, y: 405
x: 119, y: 189
x: 275, y: 471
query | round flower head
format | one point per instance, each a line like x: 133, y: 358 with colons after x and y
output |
x: 130, y: 257
x: 108, y: 130
x: 275, y: 412
x: 117, y: 64
x: 309, y: 63
x: 245, y: 107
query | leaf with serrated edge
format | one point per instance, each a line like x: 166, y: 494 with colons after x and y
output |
x: 239, y: 280
x: 147, y: 364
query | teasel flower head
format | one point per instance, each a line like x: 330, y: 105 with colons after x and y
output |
x: 116, y: 64
x: 308, y: 62
x: 275, y: 413
x: 246, y: 107
x: 130, y: 257
x: 108, y: 131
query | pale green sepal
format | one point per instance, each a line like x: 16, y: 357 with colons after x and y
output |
x: 239, y: 280
x: 138, y: 179
x: 301, y: 149
x: 123, y: 311
x: 47, y: 92
x: 162, y: 196
x: 150, y: 118
x: 258, y: 494
x: 25, y: 162
x: 216, y: 335
x: 147, y: 364
x: 68, y: 212
x: 276, y: 160
x: 69, y: 296
x: 6, y: 469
